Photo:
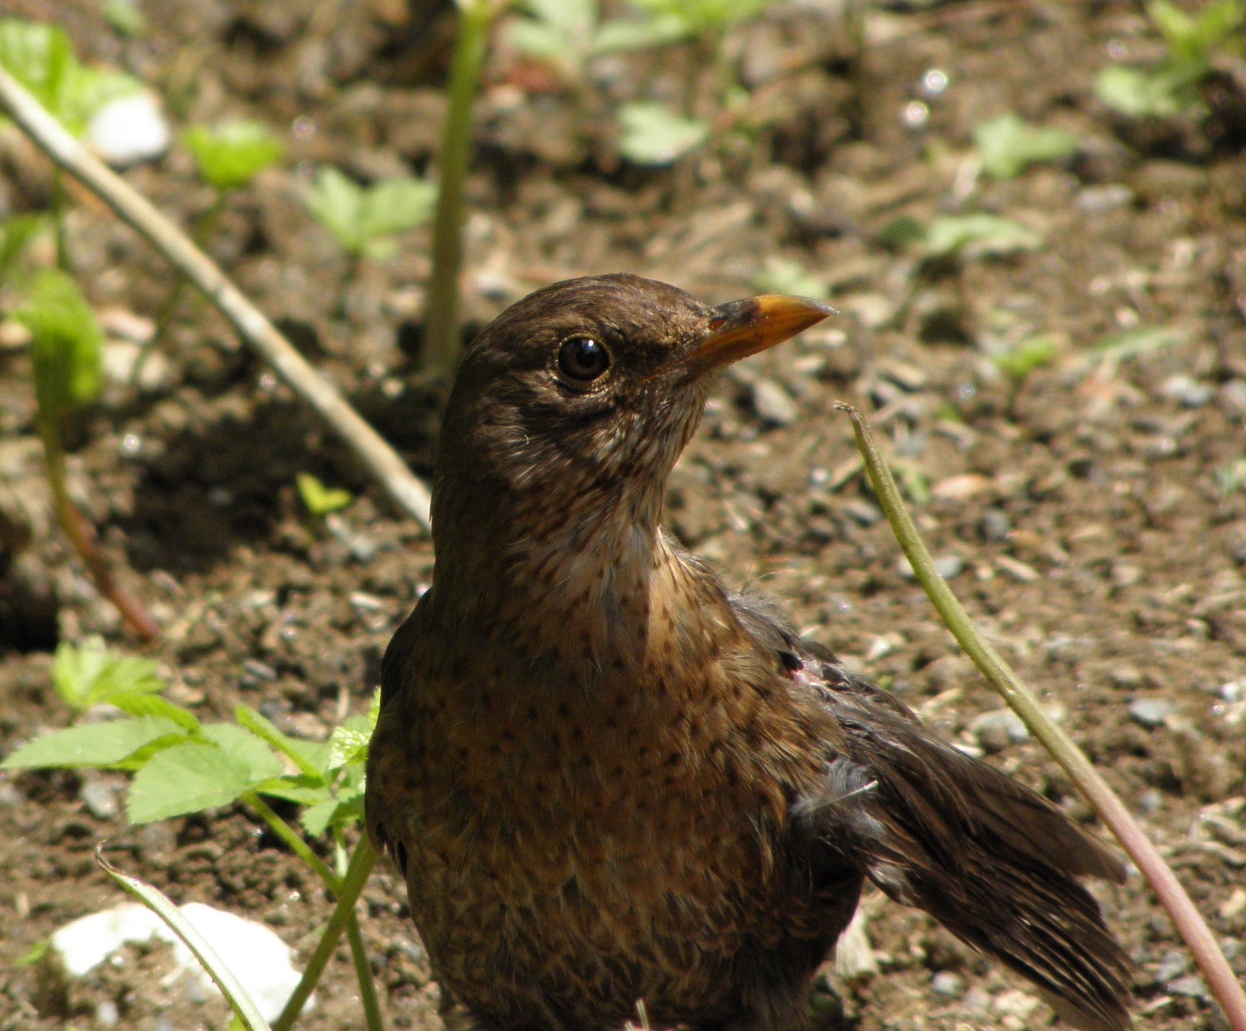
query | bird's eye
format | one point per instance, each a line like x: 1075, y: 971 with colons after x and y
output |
x: 583, y: 359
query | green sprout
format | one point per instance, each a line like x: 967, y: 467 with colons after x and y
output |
x: 1008, y: 145
x: 1017, y: 363
x: 41, y: 57
x: 179, y: 765
x: 787, y: 276
x: 318, y: 499
x: 66, y: 347
x: 365, y: 219
x: 978, y: 235
x: 227, y: 158
x: 1194, y: 42
x: 653, y: 134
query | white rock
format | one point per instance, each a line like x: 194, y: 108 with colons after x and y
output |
x: 128, y: 130
x: 258, y: 958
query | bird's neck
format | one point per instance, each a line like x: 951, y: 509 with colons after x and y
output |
x: 582, y: 582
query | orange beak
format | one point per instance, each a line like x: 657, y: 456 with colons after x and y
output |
x: 740, y: 328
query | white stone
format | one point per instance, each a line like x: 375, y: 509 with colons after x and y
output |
x: 128, y: 130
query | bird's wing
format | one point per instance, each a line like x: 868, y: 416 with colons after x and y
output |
x: 934, y: 828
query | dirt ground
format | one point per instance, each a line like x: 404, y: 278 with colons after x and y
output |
x: 1088, y: 518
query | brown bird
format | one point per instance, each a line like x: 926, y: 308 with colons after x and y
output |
x: 607, y: 779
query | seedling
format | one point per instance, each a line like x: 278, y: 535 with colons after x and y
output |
x: 441, y: 321
x: 1195, y: 43
x: 365, y: 219
x: 41, y: 57
x: 1017, y: 363
x: 1008, y: 146
x: 318, y: 499
x: 66, y: 354
x: 787, y: 276
x: 227, y: 158
x: 978, y: 235
x: 180, y: 765
x: 653, y: 134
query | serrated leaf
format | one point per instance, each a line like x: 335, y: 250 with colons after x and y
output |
x: 93, y: 744
x: 306, y: 755
x: 138, y: 703
x: 66, y: 343
x: 192, y: 777
x: 1008, y: 145
x: 361, y: 218
x: 652, y: 134
x: 395, y: 205
x: 299, y: 790
x: 233, y: 153
x: 319, y: 818
x: 347, y: 747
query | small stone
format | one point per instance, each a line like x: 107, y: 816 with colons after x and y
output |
x: 1151, y: 712
x: 128, y: 130
x: 100, y: 798
x: 1192, y: 986
x: 996, y: 730
x: 773, y: 403
x: 1095, y: 199
x: 106, y: 1013
x: 948, y: 984
x: 1014, y: 1008
x: 854, y: 956
x: 949, y: 566
x: 1233, y: 398
x: 1187, y: 391
x: 1172, y: 966
x: 995, y: 526
x: 863, y: 513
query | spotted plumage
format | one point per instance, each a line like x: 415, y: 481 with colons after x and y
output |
x: 605, y: 779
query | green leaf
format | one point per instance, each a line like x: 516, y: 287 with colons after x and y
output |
x: 700, y: 17
x: 1135, y: 342
x: 787, y: 276
x: 93, y: 744
x: 619, y: 35
x: 654, y: 135
x: 139, y: 703
x: 126, y: 17
x: 1031, y: 354
x: 302, y: 790
x: 319, y: 818
x: 233, y: 153
x: 192, y: 777
x: 66, y: 343
x: 1008, y: 145
x: 360, y: 218
x: 89, y: 674
x: 306, y: 755
x: 977, y: 235
x: 318, y: 499
x: 16, y: 234
x: 1163, y: 93
x: 41, y: 57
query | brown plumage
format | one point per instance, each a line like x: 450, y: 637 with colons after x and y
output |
x: 606, y: 779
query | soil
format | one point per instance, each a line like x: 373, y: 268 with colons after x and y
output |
x: 1087, y: 515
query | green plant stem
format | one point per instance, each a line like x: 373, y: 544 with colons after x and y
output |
x: 334, y: 882
x: 441, y: 325
x: 82, y: 536
x: 63, y: 260
x: 1081, y: 772
x: 352, y: 886
x: 293, y: 840
x: 204, y: 233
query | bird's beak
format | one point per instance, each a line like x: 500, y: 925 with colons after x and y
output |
x: 741, y: 328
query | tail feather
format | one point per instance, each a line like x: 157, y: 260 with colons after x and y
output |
x: 990, y: 860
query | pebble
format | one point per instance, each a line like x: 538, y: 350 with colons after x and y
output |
x: 995, y: 526
x: 128, y: 130
x: 1187, y: 391
x: 100, y: 798
x: 1191, y: 986
x: 1172, y: 966
x: 863, y: 513
x: 1233, y: 397
x: 1151, y: 712
x: 947, y: 566
x: 1095, y: 199
x: 998, y: 729
x: 773, y: 403
x: 948, y: 984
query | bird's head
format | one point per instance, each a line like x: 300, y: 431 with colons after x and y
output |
x: 584, y: 393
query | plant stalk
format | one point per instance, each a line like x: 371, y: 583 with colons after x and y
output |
x: 1189, y: 922
x: 357, y: 873
x: 441, y: 324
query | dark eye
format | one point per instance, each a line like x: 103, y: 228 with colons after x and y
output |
x: 583, y: 359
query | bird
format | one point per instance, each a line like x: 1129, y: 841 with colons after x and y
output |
x: 607, y: 779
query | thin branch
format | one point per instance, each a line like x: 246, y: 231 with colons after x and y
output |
x: 377, y: 456
x: 1189, y: 922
